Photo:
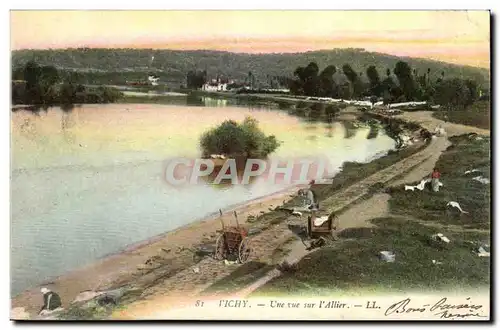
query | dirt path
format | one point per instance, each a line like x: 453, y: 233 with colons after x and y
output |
x: 425, y: 119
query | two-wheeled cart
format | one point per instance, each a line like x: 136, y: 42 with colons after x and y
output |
x: 233, y: 242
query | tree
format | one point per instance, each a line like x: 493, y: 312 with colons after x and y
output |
x: 67, y: 93
x: 349, y: 73
x: 352, y: 76
x: 196, y: 79
x: 441, y: 78
x: 374, y: 78
x: 453, y: 93
x: 33, y: 89
x: 233, y: 139
x: 473, y: 91
x: 404, y: 73
x: 49, y: 75
x: 40, y: 83
x: 251, y: 80
x: 308, y: 81
x: 17, y: 73
x: 327, y: 84
x: 311, y: 83
x: 387, y: 87
x: 297, y: 86
x: 42, y: 88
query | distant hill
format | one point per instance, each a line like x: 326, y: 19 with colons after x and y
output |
x: 172, y: 65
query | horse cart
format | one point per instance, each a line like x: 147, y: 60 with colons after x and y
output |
x: 233, y: 242
x: 321, y: 226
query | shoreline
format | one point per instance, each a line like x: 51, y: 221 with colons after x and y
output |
x: 206, y: 218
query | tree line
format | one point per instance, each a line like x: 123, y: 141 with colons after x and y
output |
x: 100, y: 66
x: 38, y: 85
x: 402, y: 84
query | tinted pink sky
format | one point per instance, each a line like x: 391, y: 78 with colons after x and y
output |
x: 460, y: 37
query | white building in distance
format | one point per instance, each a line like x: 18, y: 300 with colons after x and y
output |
x: 214, y: 86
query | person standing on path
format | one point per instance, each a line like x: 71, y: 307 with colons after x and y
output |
x: 435, y: 176
x: 51, y: 301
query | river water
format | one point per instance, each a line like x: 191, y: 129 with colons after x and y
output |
x: 89, y: 182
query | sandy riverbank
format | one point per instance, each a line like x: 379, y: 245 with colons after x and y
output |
x: 122, y: 267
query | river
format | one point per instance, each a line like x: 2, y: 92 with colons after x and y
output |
x: 88, y: 182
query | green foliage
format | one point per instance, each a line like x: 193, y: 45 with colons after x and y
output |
x: 375, y: 83
x: 327, y: 85
x: 115, y: 66
x: 42, y: 86
x: 196, y: 79
x: 403, y: 72
x: 39, y: 85
x: 478, y: 115
x: 349, y: 73
x: 233, y: 139
x: 308, y: 82
x: 455, y: 93
x: 354, y: 79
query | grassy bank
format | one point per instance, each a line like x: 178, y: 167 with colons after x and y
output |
x: 478, y: 115
x: 352, y: 263
x: 473, y: 196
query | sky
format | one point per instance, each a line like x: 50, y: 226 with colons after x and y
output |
x: 461, y: 37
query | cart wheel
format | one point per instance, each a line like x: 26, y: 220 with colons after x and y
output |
x: 245, y: 250
x: 220, y: 250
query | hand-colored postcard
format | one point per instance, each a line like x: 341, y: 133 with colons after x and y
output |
x: 250, y: 165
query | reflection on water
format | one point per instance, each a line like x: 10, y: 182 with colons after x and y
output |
x: 89, y: 181
x: 329, y: 130
x: 350, y: 128
x: 374, y: 130
x: 68, y: 122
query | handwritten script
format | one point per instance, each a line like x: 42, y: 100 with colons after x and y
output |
x: 441, y: 308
